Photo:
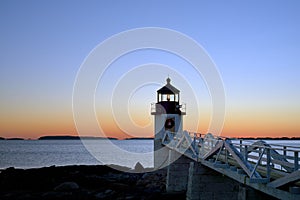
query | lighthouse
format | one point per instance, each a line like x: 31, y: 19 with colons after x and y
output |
x: 168, y: 115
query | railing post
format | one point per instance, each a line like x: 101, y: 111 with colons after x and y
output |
x: 194, y: 142
x: 296, y: 160
x: 241, y: 145
x: 259, y: 154
x: 268, y: 163
x: 246, y: 153
x: 284, y: 154
x: 226, y: 156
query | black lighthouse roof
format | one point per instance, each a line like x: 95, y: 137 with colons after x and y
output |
x: 168, y: 88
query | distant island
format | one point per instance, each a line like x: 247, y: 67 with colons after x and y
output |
x: 14, y: 138
x: 69, y: 137
x: 141, y: 138
x: 66, y: 137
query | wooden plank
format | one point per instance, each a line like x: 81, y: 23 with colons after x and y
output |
x: 257, y: 163
x: 294, y: 176
x: 281, y: 194
x: 275, y: 173
x: 281, y: 155
x: 239, y: 158
x: 274, y: 154
x: 214, y: 150
x: 179, y: 142
x: 274, y: 161
x: 189, y: 140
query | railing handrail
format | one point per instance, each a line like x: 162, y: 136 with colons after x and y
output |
x: 198, y: 138
x: 259, y: 162
x: 292, y: 148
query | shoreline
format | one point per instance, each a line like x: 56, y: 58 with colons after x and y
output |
x: 69, y: 137
x: 113, y: 166
x: 84, y: 182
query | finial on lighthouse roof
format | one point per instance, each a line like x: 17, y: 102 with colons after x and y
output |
x: 168, y: 80
x: 168, y: 88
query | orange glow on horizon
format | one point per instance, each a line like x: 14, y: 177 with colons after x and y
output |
x: 246, y: 122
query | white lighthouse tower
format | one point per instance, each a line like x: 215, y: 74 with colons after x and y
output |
x: 168, y: 117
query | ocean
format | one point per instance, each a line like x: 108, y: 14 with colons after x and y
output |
x: 42, y: 153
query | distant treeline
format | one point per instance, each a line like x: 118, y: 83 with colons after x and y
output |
x: 142, y: 138
x: 270, y: 138
x: 73, y: 138
x: 67, y: 137
x: 1, y: 138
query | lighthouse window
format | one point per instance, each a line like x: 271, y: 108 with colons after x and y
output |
x: 172, y: 97
x: 164, y: 97
x: 168, y: 97
x: 159, y: 98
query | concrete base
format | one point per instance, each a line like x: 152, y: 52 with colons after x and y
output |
x: 205, y: 183
x: 177, y: 174
x: 200, y: 182
x: 161, y: 154
x: 246, y: 192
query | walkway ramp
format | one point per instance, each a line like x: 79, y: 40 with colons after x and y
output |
x: 272, y: 169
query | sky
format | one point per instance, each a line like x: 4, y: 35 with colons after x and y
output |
x: 255, y: 46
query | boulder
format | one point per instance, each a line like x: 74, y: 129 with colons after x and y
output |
x: 55, y: 195
x: 104, y: 194
x: 67, y: 186
x: 139, y: 167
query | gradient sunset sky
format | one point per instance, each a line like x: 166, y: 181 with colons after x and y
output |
x: 254, y: 44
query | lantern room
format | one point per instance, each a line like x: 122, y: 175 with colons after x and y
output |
x: 168, y: 100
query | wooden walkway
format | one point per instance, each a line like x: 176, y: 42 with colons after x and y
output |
x: 272, y: 169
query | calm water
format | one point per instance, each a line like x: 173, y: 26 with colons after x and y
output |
x: 41, y: 153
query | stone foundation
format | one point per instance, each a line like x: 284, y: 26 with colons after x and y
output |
x: 177, y: 174
x: 204, y: 183
x: 201, y: 182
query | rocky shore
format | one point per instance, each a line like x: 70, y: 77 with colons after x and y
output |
x: 83, y: 182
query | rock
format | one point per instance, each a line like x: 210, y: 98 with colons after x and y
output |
x: 100, y: 195
x: 105, y: 194
x: 139, y: 167
x: 108, y: 191
x: 67, y: 186
x: 120, y: 186
x: 129, y: 197
x: 55, y: 195
x: 80, y: 182
x: 146, y: 175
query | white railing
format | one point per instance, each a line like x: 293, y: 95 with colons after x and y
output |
x: 274, y: 165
